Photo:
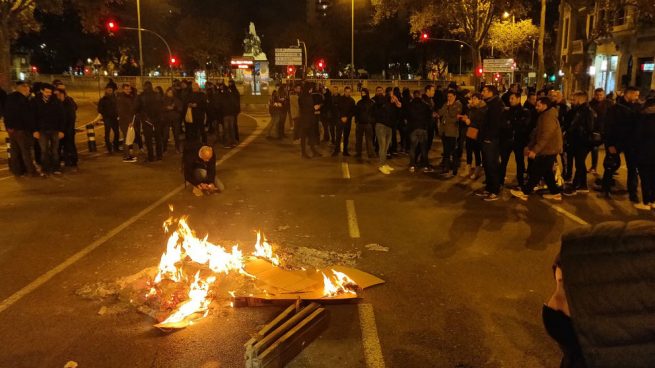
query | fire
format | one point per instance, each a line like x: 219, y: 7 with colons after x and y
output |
x: 338, y: 284
x: 186, y: 255
x: 264, y: 250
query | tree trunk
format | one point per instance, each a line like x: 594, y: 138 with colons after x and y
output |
x: 5, y: 59
x: 540, y: 51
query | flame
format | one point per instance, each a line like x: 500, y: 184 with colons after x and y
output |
x: 197, y: 302
x: 264, y: 250
x: 338, y: 284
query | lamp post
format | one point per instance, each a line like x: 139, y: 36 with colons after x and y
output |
x: 138, y: 20
x: 460, y: 58
x: 352, y: 40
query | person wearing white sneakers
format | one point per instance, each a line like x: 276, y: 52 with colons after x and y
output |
x: 546, y: 143
x: 382, y: 112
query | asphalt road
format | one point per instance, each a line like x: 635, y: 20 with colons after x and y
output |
x: 465, y: 279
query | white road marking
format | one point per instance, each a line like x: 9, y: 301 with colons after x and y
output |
x: 566, y: 213
x: 353, y: 227
x: 372, y: 349
x: 89, y: 248
x: 345, y: 170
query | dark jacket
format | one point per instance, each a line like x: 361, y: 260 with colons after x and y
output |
x: 149, y: 106
x: 365, y: 108
x: 449, y: 126
x: 49, y: 115
x: 645, y: 135
x: 199, y: 112
x: 19, y: 114
x: 547, y: 138
x: 126, y: 108
x: 419, y: 115
x: 478, y: 115
x: 383, y: 110
x: 600, y: 108
x: 345, y: 107
x: 230, y: 105
x: 70, y: 115
x: 107, y: 107
x: 608, y: 272
x: 582, y: 125
x: 192, y: 162
x: 519, y: 120
x: 490, y: 130
x: 171, y: 110
x: 621, y: 125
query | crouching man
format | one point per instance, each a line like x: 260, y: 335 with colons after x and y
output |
x: 199, y: 163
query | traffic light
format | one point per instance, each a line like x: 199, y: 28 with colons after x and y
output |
x: 479, y: 71
x: 173, y: 61
x: 291, y: 70
x: 112, y: 26
x: 34, y: 69
x: 320, y: 64
x: 425, y: 36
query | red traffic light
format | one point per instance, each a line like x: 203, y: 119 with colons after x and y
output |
x: 34, y: 69
x: 320, y: 64
x: 112, y: 26
x: 291, y: 70
x: 479, y: 71
x: 425, y: 36
x: 173, y: 60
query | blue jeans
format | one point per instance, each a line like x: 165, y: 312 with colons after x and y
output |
x: 383, y: 134
x: 491, y: 163
x: 419, y: 141
x: 49, y: 143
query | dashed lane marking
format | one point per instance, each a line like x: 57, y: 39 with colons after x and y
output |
x: 372, y: 349
x: 566, y: 213
x: 353, y: 227
x: 345, y: 170
x: 11, y: 300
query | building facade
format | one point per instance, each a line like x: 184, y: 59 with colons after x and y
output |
x: 607, y: 45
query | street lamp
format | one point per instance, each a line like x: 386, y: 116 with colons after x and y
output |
x: 352, y: 39
x: 138, y: 26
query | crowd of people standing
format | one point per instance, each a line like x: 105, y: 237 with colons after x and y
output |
x: 40, y: 120
x: 550, y: 138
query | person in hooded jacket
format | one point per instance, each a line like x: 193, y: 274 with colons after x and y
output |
x: 149, y: 109
x: 310, y: 107
x: 171, y: 118
x: 108, y: 113
x: 419, y: 117
x: 578, y: 137
x: 195, y: 117
x: 364, y: 121
x: 515, y: 135
x: 645, y: 152
x: 67, y: 147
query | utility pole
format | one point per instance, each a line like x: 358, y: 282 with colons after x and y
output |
x: 138, y: 20
x: 540, y: 51
x: 352, y: 40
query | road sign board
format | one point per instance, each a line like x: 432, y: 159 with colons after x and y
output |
x: 498, y: 65
x: 288, y: 56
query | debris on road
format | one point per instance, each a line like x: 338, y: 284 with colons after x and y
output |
x: 70, y: 364
x: 376, y: 247
x: 302, y: 257
x: 280, y: 341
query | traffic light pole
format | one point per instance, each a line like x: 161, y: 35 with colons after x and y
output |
x: 168, y: 48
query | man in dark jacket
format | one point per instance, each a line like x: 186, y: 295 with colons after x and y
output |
x: 50, y: 124
x: 489, y: 135
x: 236, y: 105
x: 67, y: 147
x: 149, y: 109
x: 364, y: 124
x: 621, y: 123
x: 578, y: 137
x: 195, y: 117
x: 344, y: 111
x: 126, y: 109
x: 199, y: 163
x: 419, y: 118
x: 383, y: 114
x: 600, y: 104
x: 230, y: 110
x: 19, y: 121
x: 645, y: 151
x: 515, y: 135
x: 109, y: 113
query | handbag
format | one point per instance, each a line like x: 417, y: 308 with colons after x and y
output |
x: 129, y: 137
x: 188, y: 118
x: 472, y: 133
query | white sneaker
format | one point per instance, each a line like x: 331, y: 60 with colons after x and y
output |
x: 642, y: 207
x: 384, y: 170
x: 519, y: 194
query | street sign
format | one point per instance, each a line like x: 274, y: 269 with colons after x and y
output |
x: 242, y: 63
x: 97, y: 63
x: 532, y: 75
x: 289, y: 56
x: 498, y: 65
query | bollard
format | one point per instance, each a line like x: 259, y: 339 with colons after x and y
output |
x: 8, y: 145
x: 91, y: 136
